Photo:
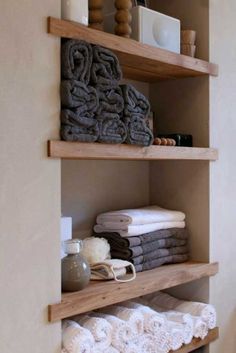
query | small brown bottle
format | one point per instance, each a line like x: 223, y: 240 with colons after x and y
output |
x: 75, y: 268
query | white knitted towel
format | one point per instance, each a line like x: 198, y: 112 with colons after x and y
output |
x: 200, y: 329
x: 76, y: 339
x: 132, y: 316
x: 177, y: 338
x: 206, y: 311
x: 121, y: 330
x: 99, y: 328
x: 185, y: 321
x: 146, y: 343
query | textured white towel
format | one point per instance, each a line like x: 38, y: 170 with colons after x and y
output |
x: 206, y: 311
x: 75, y: 338
x: 138, y: 216
x: 99, y: 328
x: 200, y: 329
x: 134, y: 230
x: 64, y: 350
x: 110, y: 349
x: 146, y: 343
x: 132, y: 316
x: 177, y: 338
x: 121, y: 330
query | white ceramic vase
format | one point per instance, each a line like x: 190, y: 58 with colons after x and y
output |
x: 75, y: 10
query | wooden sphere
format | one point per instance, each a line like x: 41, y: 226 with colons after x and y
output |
x: 123, y: 29
x: 95, y: 16
x: 97, y: 26
x: 96, y: 4
x: 123, y: 4
x: 123, y: 16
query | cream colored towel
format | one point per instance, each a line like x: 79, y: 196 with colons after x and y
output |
x: 122, y: 333
x: 76, y: 339
x: 132, y: 316
x: 139, y: 216
x: 99, y: 328
x: 130, y: 230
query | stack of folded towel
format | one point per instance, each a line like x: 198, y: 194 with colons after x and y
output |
x: 133, y: 327
x: 94, y: 106
x: 148, y: 237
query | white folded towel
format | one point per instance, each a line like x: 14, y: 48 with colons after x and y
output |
x: 139, y: 216
x: 135, y: 230
x: 132, y: 316
x: 200, y: 329
x: 76, y: 339
x: 206, y: 311
x: 99, y: 328
x: 122, y: 332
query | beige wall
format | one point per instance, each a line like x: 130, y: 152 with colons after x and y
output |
x: 223, y: 173
x: 29, y: 181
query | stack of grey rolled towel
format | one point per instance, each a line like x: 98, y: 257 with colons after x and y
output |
x: 94, y: 106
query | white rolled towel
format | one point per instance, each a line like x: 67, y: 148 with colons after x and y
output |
x: 121, y: 331
x: 138, y: 216
x: 147, y: 343
x: 75, y: 338
x: 135, y: 230
x: 206, y: 311
x: 63, y: 350
x: 111, y: 350
x: 132, y: 316
x: 185, y: 321
x: 99, y: 328
x: 200, y: 329
x: 177, y: 337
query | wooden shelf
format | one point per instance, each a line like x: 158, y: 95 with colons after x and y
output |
x: 100, y: 294
x: 80, y: 150
x: 139, y: 61
x: 197, y: 342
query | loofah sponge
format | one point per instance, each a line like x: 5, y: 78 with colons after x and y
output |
x: 96, y: 250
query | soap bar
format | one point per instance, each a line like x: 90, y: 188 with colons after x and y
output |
x: 180, y: 139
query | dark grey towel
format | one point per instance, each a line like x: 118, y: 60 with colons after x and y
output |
x: 105, y: 69
x: 78, y: 128
x: 172, y: 259
x: 129, y: 253
x: 111, y: 129
x: 156, y: 254
x: 110, y: 100
x: 76, y: 60
x: 137, y: 131
x: 116, y: 240
x: 76, y: 94
x: 135, y: 102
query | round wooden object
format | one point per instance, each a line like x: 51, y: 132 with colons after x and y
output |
x: 96, y: 4
x: 96, y: 14
x: 123, y: 18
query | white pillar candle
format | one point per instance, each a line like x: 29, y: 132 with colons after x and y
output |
x: 75, y: 10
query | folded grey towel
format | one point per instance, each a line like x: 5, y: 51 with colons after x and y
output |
x: 76, y: 60
x: 111, y: 129
x: 105, y: 69
x: 76, y: 94
x: 135, y: 102
x: 129, y: 253
x: 156, y: 254
x: 137, y: 131
x: 78, y: 128
x: 110, y: 99
x: 172, y: 259
x: 115, y: 240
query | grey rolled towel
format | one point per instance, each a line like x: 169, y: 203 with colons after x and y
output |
x: 76, y: 94
x: 111, y: 129
x: 110, y: 99
x: 75, y: 127
x: 105, y: 69
x: 137, y: 131
x: 76, y: 60
x: 172, y: 259
x: 135, y: 102
x: 116, y: 240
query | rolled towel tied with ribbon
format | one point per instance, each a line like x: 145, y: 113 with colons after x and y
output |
x: 105, y: 68
x: 76, y: 60
x: 99, y: 328
x: 76, y: 94
x: 78, y: 128
x: 76, y: 339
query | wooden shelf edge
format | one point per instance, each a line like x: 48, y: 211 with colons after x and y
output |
x: 198, y: 343
x: 99, y: 151
x: 100, y: 294
x: 136, y: 55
